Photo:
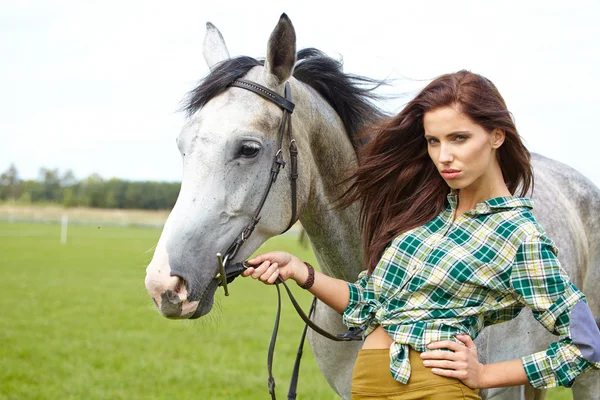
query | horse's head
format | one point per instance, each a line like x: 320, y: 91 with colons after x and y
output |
x: 228, y: 146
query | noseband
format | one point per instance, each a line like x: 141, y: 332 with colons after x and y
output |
x: 228, y: 272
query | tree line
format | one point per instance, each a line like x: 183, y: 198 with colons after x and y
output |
x: 55, y: 187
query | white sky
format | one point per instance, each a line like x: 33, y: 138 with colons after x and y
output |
x: 95, y: 86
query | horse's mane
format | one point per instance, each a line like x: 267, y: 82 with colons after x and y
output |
x: 349, y: 95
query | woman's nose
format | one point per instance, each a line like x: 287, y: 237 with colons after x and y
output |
x: 445, y: 155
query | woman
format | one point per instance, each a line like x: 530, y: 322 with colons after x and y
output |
x: 449, y: 250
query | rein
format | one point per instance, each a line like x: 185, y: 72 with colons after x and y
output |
x: 228, y: 272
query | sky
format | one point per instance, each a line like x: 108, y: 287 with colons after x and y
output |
x: 95, y: 87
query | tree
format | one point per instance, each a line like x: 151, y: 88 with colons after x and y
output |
x: 91, y: 193
x: 68, y: 179
x: 69, y: 199
x: 10, y: 184
x: 51, y: 190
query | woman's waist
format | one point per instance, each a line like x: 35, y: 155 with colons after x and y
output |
x: 378, y: 339
x: 417, y: 334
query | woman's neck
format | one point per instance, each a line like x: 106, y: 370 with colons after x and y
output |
x: 486, y: 187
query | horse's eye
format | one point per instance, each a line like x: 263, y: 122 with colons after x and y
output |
x: 249, y: 149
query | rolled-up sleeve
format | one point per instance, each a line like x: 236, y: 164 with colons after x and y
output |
x: 541, y: 284
x: 357, y: 313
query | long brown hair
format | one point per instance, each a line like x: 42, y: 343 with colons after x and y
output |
x: 397, y: 183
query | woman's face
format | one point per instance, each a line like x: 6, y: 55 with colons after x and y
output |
x: 463, y: 152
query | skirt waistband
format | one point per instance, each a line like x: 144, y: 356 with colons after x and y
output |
x: 372, y: 376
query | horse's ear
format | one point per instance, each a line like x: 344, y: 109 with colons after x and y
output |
x: 215, y: 49
x: 281, y: 50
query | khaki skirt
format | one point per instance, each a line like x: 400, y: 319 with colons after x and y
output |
x: 372, y: 379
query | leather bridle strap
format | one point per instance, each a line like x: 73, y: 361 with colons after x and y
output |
x: 288, y: 108
x: 278, y: 162
x: 233, y: 271
x: 228, y: 272
x: 283, y: 102
x: 296, y: 371
x: 354, y: 335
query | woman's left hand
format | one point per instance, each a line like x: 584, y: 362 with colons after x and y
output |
x: 463, y: 364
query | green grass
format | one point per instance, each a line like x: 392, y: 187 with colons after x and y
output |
x: 76, y: 323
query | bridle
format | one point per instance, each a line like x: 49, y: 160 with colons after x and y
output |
x: 228, y: 272
x: 288, y: 107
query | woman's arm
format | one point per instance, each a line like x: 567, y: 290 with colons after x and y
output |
x: 540, y: 283
x: 331, y: 291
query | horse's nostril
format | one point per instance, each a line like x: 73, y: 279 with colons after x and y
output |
x: 171, y: 303
x: 180, y: 287
x: 172, y: 297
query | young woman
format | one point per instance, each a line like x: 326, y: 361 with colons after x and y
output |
x: 449, y: 249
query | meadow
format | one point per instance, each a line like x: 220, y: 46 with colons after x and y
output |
x: 77, y: 323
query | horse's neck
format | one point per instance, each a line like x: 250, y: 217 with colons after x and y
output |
x: 334, y: 234
x: 335, y: 238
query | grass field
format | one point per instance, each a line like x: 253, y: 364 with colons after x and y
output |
x: 77, y: 323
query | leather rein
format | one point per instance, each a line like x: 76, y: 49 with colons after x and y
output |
x: 228, y: 272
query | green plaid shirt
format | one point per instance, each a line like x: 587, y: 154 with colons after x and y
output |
x: 448, y: 277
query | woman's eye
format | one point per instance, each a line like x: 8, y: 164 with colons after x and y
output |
x: 431, y: 141
x: 249, y: 149
x: 460, y: 138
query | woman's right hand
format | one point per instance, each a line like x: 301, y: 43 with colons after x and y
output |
x: 269, y: 266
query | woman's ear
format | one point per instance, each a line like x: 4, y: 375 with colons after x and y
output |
x: 497, y: 138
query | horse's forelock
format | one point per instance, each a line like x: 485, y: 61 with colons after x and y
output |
x: 217, y: 82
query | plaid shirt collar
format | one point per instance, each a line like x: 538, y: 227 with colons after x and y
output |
x: 492, y: 205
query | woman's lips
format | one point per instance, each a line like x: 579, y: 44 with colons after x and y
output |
x: 450, y: 173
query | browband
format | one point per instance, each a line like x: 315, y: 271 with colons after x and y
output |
x: 266, y: 93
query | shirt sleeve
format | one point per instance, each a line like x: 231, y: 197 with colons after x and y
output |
x: 365, y: 293
x: 540, y: 283
x: 357, y: 312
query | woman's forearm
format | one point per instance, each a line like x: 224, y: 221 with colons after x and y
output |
x: 331, y: 291
x: 507, y: 373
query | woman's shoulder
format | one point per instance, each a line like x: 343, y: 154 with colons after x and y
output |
x: 513, y: 221
x: 528, y: 229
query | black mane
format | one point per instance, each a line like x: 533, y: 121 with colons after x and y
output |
x: 350, y: 95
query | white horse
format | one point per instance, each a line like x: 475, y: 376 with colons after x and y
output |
x: 228, y: 145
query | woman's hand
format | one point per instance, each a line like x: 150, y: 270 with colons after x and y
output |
x: 270, y: 266
x: 463, y: 364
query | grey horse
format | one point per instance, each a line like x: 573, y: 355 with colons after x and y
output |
x: 227, y: 146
